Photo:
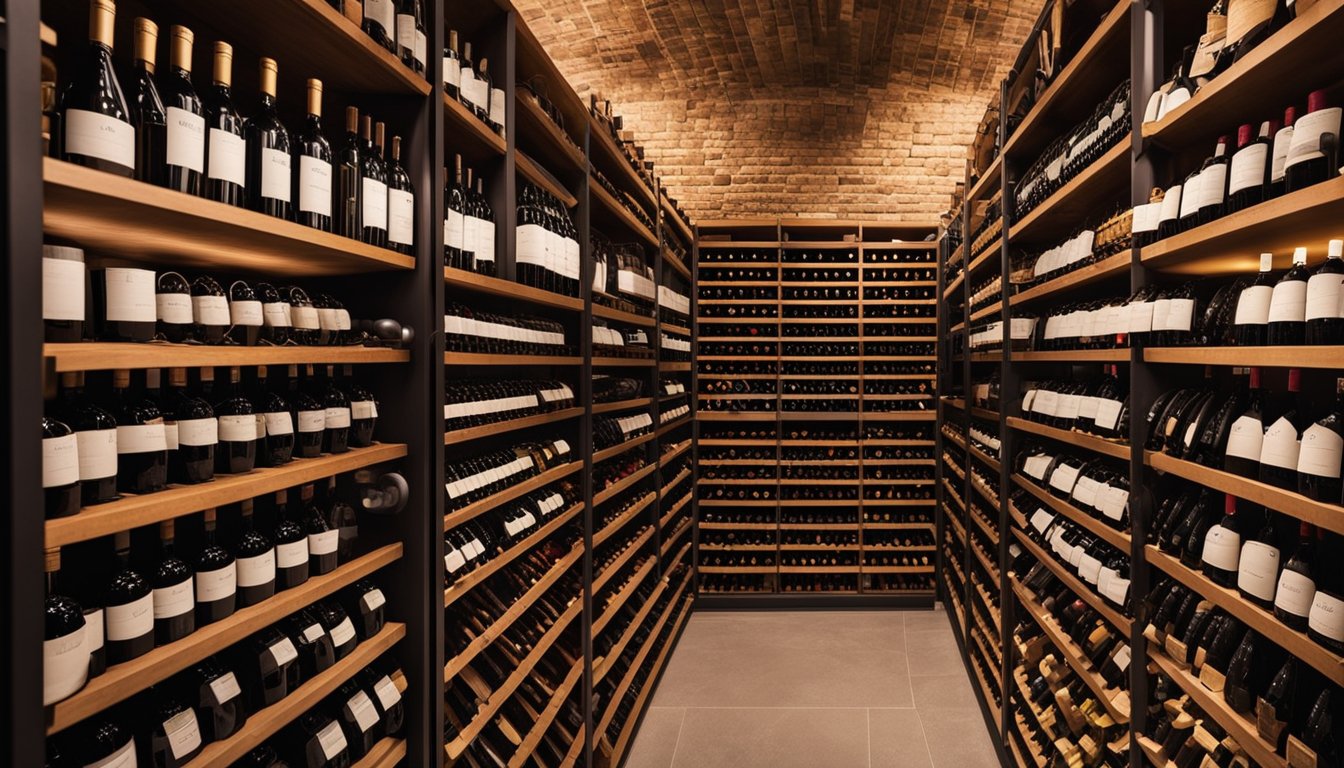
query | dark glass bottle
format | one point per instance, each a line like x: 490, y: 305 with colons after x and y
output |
x: 372, y: 187
x: 124, y: 304
x: 60, y: 469
x: 411, y: 39
x: 336, y: 435
x: 197, y: 430
x: 276, y: 446
x: 1213, y: 185
x: 1274, y: 706
x: 185, y: 141
x: 172, y: 298
x: 149, y: 119
x: 1248, y: 178
x: 309, y: 418
x: 225, y: 146
x: 310, y: 639
x: 1322, y: 452
x: 128, y: 607
x: 275, y: 312
x: 349, y: 165
x: 1325, y: 321
x: 400, y: 199
x: 291, y: 546
x: 1258, y: 571
x: 1282, y: 443
x: 174, y: 591
x: 209, y: 311
x: 342, y: 518
x: 237, y: 449
x: 270, y: 177
x: 1313, y: 156
x: 323, y: 540
x: 1222, y: 547
x: 454, y: 226
x: 1319, y: 735
x: 363, y: 410
x: 217, y: 697
x: 96, y: 435
x: 1245, y: 440
x: 255, y: 561
x: 1325, y: 621
x: 95, y: 120
x: 1278, y: 157
x: 338, y: 624
x: 216, y: 577
x: 380, y: 22
x: 142, y: 443
x: 65, y: 641
x: 312, y: 181
x: 106, y: 742
x: 1251, y: 320
x: 63, y: 286
x: 1296, y: 589
x: 484, y: 242
x: 1240, y: 685
x: 175, y: 732
x: 1288, y: 305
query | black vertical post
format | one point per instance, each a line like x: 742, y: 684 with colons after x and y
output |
x: 1008, y: 393
x: 586, y: 391
x: 694, y: 400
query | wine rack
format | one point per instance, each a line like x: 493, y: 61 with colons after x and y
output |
x: 1014, y: 277
x: 814, y: 379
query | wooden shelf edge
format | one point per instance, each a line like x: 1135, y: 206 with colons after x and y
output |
x: 1118, y: 539
x: 107, y: 356
x: 458, y: 516
x: 1079, y: 439
x: 498, y: 427
x: 508, y: 289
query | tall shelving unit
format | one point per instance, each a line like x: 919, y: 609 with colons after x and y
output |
x: 1135, y: 41
x: 773, y: 523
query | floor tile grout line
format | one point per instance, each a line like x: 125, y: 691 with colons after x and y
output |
x: 869, y: 717
x: 681, y: 726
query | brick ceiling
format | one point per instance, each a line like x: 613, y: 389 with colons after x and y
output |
x: 822, y: 66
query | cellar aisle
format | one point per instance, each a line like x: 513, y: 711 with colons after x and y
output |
x: 815, y: 689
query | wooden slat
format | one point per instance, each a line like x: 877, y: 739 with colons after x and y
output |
x: 1079, y: 439
x: 470, y: 130
x: 464, y: 584
x: 457, y: 517
x: 1236, y: 725
x: 107, y: 356
x: 1072, y: 356
x: 479, y: 358
x: 616, y: 450
x: 1118, y: 539
x: 1109, y: 267
x: 1316, y: 357
x: 1078, y: 199
x: 461, y: 279
x: 499, y: 427
x: 625, y: 517
x: 601, y: 310
x: 612, y: 205
x: 1107, y: 611
x: 534, y: 173
x: 387, y: 753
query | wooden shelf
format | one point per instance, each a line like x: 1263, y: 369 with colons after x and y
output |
x: 603, y: 311
x: 1072, y: 356
x: 603, y: 496
x: 1233, y: 243
x: 107, y: 356
x: 1105, y: 609
x: 643, y: 653
x: 265, y: 723
x: 628, y: 731
x: 389, y: 752
x: 742, y: 569
x: 499, y: 427
x: 1255, y: 617
x: 988, y: 180
x: 1317, y: 357
x: 470, y: 131
x: 621, y: 405
x: 1307, y: 43
x: 798, y: 569
x: 602, y: 145
x: 534, y: 173
x: 667, y: 457
x: 1079, y: 439
x: 153, y: 225
x: 675, y: 367
x: 121, y: 681
x: 992, y: 252
x: 457, y: 517
x: 1118, y: 539
x: 670, y: 539
x: 891, y: 569
x: 624, y: 362
x: 1318, y: 513
x: 481, y: 358
x: 547, y: 144
x: 599, y: 194
x: 1110, y: 267
x: 1079, y: 199
x: 463, y: 280
x: 713, y: 526
x: 984, y: 458
x: 465, y: 584
x: 130, y: 512
x: 616, y: 450
x: 681, y: 329
x: 1236, y: 725
x: 989, y: 311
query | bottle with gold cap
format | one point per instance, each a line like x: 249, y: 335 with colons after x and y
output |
x: 225, y: 146
x: 268, y: 160
x: 348, y: 175
x: 96, y: 122
x: 312, y: 180
x: 400, y: 203
x: 185, y: 148
x: 372, y: 187
x: 147, y: 108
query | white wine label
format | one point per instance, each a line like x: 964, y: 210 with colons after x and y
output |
x: 453, y: 561
x: 336, y: 418
x: 292, y: 554
x: 1253, y: 305
x: 278, y: 423
x: 1085, y: 492
x: 276, y: 176
x: 1112, y: 502
x: 185, y: 147
x: 385, y: 13
x: 131, y: 620
x: 1212, y: 185
x: 406, y: 31
x: 65, y: 665
x: 1222, y: 548
x: 342, y: 633
x: 531, y: 244
x: 341, y: 319
x: 183, y: 732
x: 276, y: 314
x: 238, y: 429
x: 60, y: 461
x: 326, y: 318
x: 1089, y: 568
x: 485, y: 243
x: 1171, y: 204
x: 122, y: 758
x: 1327, y: 616
x: 387, y: 692
x: 323, y: 543
x: 1191, y: 195
x: 97, y: 453
x: 227, y: 157
x: 224, y: 688
x: 1279, y: 155
x: 452, y: 71
x: 282, y: 652
x: 257, y: 570
x: 373, y: 193
x: 129, y: 295
x: 1112, y: 586
x: 1140, y: 317
x: 313, y: 633
x: 142, y: 438
x: 1321, y: 452
x: 210, y: 310
x: 217, y: 584
x: 373, y: 600
x: 363, y: 409
x: 1324, y: 295
x: 331, y: 739
x: 1248, y: 168
x: 1180, y: 315
x: 1122, y: 658
x: 175, y: 600
x: 454, y: 229
x: 1246, y: 439
x: 62, y: 289
x: 400, y: 217
x: 312, y: 421
x: 1307, y: 134
x: 421, y: 49
x: 1280, y: 447
x: 1035, y: 466
x: 314, y: 185
x: 1041, y: 520
x: 1145, y: 218
x: 1108, y: 414
x: 474, y: 90
x: 197, y: 432
x: 99, y: 136
x: 173, y: 308
x: 362, y: 711
x: 1258, y: 571
x: 497, y: 115
x: 1063, y: 478
x: 1295, y: 593
x: 1289, y: 302
x: 304, y: 318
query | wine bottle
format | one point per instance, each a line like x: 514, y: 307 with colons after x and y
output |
x: 277, y: 323
x: 174, y: 591
x: 380, y: 22
x: 475, y: 92
x: 363, y: 411
x: 1245, y: 440
x: 358, y: 716
x: 411, y: 39
x: 142, y: 444
x: 1213, y: 185
x: 1325, y: 322
x: 1317, y: 743
x: 216, y: 577
x: 96, y: 122
x: 313, y: 181
x: 373, y: 186
x: 1283, y: 140
x: 484, y: 242
x: 106, y: 742
x: 237, y: 449
x: 270, y: 179
x: 65, y: 641
x: 349, y: 165
x: 454, y: 222
x: 129, y: 607
x: 225, y: 146
x: 1288, y: 305
x: 1258, y: 572
x: 209, y: 311
x: 255, y: 561
x: 338, y: 624
x: 1273, y: 707
x: 1325, y: 620
x: 1238, y: 688
x: 309, y: 418
x: 184, y: 154
x: 1222, y: 547
x: 124, y: 304
x: 150, y: 121
x: 217, y: 697
x: 63, y: 282
x: 60, y: 469
x: 96, y: 437
x: 323, y: 540
x: 291, y: 546
x: 175, y: 734
x: 1321, y: 454
x: 173, y: 308
x: 1282, y: 444
x: 452, y: 67
x: 400, y: 200
x: 276, y: 423
x: 1251, y: 320
x: 1313, y: 156
x: 336, y: 433
x: 1248, y: 178
x: 192, y: 458
x: 316, y: 653
x: 1296, y: 589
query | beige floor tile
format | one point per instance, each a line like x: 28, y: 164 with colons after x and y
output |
x: 773, y: 738
x: 933, y: 653
x: 656, y: 741
x: 918, y: 621
x: 896, y: 739
x: 958, y: 740
x: 943, y: 692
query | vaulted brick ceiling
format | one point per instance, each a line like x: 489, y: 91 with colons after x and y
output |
x: 763, y: 107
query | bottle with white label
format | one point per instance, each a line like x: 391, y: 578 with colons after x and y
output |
x: 411, y: 38
x: 254, y: 561
x: 267, y: 668
x: 95, y: 432
x: 1325, y: 620
x: 349, y: 165
x: 318, y: 740
x: 1250, y: 322
x: 355, y: 710
x: 275, y: 445
x: 454, y: 222
x: 270, y: 179
x: 63, y: 281
x: 1258, y: 570
x: 484, y: 243
x: 339, y: 625
x: 225, y: 144
x: 372, y: 186
x: 1248, y: 177
x: 309, y: 417
x: 1278, y: 155
x: 1288, y: 305
x: 173, y: 307
x: 400, y: 202
x: 452, y: 67
x: 365, y: 602
x: 1283, y: 438
x: 217, y: 697
x: 1222, y: 547
x: 147, y: 113
x: 1241, y: 454
x: 175, y: 737
x: 191, y: 420
x: 237, y: 450
x: 1322, y: 452
x: 291, y: 546
x: 306, y: 327
x: 60, y: 469
x: 323, y: 540
x: 184, y: 162
x: 1325, y: 298
x: 378, y: 681
x: 363, y: 409
x: 336, y: 435
x: 380, y: 22
x: 474, y: 91
x: 142, y: 443
x: 1213, y: 185
x: 174, y: 591
x: 129, y: 607
x: 312, y: 196
x: 310, y: 639
x: 65, y: 641
x: 106, y: 741
x: 124, y: 304
x: 246, y: 315
x: 95, y: 118
x: 1296, y: 589
x: 216, y: 577
x: 210, y: 318
x: 276, y: 314
x: 1313, y: 156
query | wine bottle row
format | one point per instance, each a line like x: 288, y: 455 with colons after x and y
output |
x: 1099, y: 487
x: 1073, y: 152
x: 608, y: 341
x: 488, y: 401
x: 484, y: 475
x: 468, y: 81
x: 469, y: 223
x: 468, y: 330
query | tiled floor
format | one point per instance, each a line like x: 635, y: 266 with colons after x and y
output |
x: 812, y: 689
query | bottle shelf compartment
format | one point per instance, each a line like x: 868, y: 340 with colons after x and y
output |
x: 109, y: 356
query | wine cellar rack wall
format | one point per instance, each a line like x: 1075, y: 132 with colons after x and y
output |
x: 814, y: 381
x: 600, y: 529
x: 1055, y: 556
